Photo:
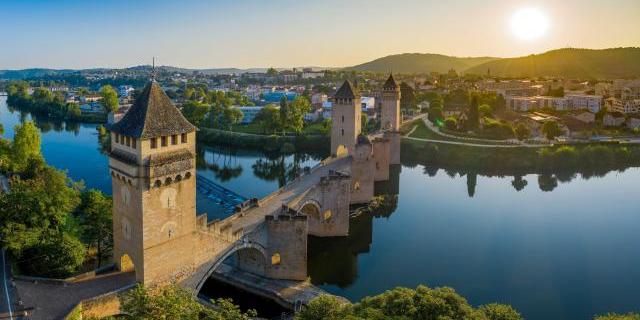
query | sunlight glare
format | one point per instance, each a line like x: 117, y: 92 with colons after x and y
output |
x: 529, y: 24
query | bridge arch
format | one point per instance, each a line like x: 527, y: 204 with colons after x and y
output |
x: 238, y: 247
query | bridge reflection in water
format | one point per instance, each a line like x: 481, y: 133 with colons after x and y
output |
x: 218, y: 194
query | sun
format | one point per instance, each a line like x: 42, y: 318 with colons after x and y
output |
x: 529, y: 24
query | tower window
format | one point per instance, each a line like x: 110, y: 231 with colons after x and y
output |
x: 183, y: 138
x: 174, y: 139
x: 154, y: 143
x: 163, y: 141
x: 343, y: 132
x: 342, y: 118
x: 117, y: 138
x: 128, y: 141
x: 133, y: 143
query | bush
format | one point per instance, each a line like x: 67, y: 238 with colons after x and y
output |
x: 451, y: 123
x: 59, y: 255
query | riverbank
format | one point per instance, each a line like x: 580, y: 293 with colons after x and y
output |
x: 313, y: 144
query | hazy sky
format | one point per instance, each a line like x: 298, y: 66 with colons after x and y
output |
x: 263, y: 33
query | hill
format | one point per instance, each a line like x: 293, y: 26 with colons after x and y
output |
x: 571, y: 63
x: 419, y: 63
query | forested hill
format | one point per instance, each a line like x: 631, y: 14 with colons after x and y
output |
x: 571, y: 63
x: 419, y: 63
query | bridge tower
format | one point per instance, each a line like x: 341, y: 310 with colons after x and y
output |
x: 152, y: 164
x: 345, y: 118
x: 390, y: 113
x: 391, y: 118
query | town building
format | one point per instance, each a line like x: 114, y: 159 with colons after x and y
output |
x: 592, y: 103
x: 623, y: 106
x: 613, y: 119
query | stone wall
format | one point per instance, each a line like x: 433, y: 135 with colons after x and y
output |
x: 287, y: 247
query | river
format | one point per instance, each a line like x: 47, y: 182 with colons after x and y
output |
x: 568, y: 252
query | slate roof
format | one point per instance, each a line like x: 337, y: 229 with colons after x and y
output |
x: 152, y: 115
x: 346, y: 91
x: 390, y: 83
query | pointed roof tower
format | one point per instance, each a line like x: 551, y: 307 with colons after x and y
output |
x: 390, y: 84
x: 152, y: 115
x: 346, y: 91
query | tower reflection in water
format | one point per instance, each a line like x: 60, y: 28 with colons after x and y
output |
x: 334, y: 261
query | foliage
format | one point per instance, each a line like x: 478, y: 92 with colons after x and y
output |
x: 435, y: 115
x: 268, y: 118
x: 56, y: 255
x: 294, y: 114
x: 195, y: 111
x: 173, y: 302
x: 551, y: 129
x: 109, y: 98
x: 94, y: 214
x: 451, y: 123
x: 485, y: 110
x: 405, y: 303
x: 497, y: 129
x: 522, y: 131
x: 473, y: 116
x: 25, y: 146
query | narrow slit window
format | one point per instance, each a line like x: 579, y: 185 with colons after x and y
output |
x: 133, y: 143
x: 174, y: 139
x: 154, y: 143
x: 183, y: 138
x: 163, y: 141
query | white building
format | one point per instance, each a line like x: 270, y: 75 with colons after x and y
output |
x: 622, y: 106
x: 592, y: 103
x: 125, y: 90
x: 312, y: 74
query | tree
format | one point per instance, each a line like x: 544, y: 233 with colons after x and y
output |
x: 295, y: 115
x: 109, y: 98
x: 473, y: 118
x: 173, y: 302
x: 189, y: 93
x: 326, y: 307
x: 268, y: 118
x: 435, y: 115
x: 364, y: 122
x: 25, y: 146
x: 551, y: 129
x: 496, y: 311
x: 521, y: 131
x: 615, y: 316
x: 195, y: 111
x: 284, y: 113
x: 95, y: 215
x: 231, y: 116
x: 451, y: 123
x: 272, y: 72
x: 485, y: 110
x: 58, y: 254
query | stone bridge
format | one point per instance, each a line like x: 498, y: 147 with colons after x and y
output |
x: 159, y: 236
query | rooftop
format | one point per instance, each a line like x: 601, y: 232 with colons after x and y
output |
x: 152, y: 115
x: 346, y: 91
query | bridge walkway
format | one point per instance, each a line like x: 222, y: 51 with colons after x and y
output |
x: 251, y: 218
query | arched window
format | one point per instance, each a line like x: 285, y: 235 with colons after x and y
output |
x: 275, y: 259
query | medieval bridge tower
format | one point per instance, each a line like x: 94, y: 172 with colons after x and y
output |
x: 152, y: 164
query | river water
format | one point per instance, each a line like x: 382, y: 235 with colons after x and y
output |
x: 568, y: 252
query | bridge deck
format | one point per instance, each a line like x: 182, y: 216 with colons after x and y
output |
x: 249, y: 219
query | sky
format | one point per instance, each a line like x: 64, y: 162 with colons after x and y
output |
x: 289, y: 33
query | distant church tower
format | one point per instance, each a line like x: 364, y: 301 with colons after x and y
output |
x: 345, y: 120
x: 390, y: 110
x: 152, y: 164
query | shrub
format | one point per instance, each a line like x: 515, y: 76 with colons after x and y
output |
x: 59, y: 255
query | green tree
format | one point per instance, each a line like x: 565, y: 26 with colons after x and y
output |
x: 295, y: 116
x: 485, y: 110
x: 435, y: 115
x: 522, y: 131
x: 284, y: 113
x: 57, y: 254
x: 195, y: 111
x: 109, y: 98
x: 268, y: 118
x: 25, y: 146
x: 95, y: 217
x: 326, y: 307
x: 551, y: 129
x: 615, y: 316
x: 473, y: 117
x: 272, y: 72
x: 496, y: 311
x: 231, y: 116
x: 173, y: 302
x: 189, y: 93
x: 451, y: 123
x: 407, y: 97
x: 326, y: 126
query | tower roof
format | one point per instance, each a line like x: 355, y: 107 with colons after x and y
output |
x: 152, y: 115
x: 390, y: 83
x: 346, y: 91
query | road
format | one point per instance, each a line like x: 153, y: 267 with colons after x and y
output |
x: 8, y: 294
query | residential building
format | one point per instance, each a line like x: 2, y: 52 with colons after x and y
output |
x: 312, y: 74
x: 623, y: 106
x: 586, y: 117
x: 592, y: 103
x: 125, y: 90
x: 317, y: 99
x: 633, y: 123
x: 90, y: 98
x: 613, y: 119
